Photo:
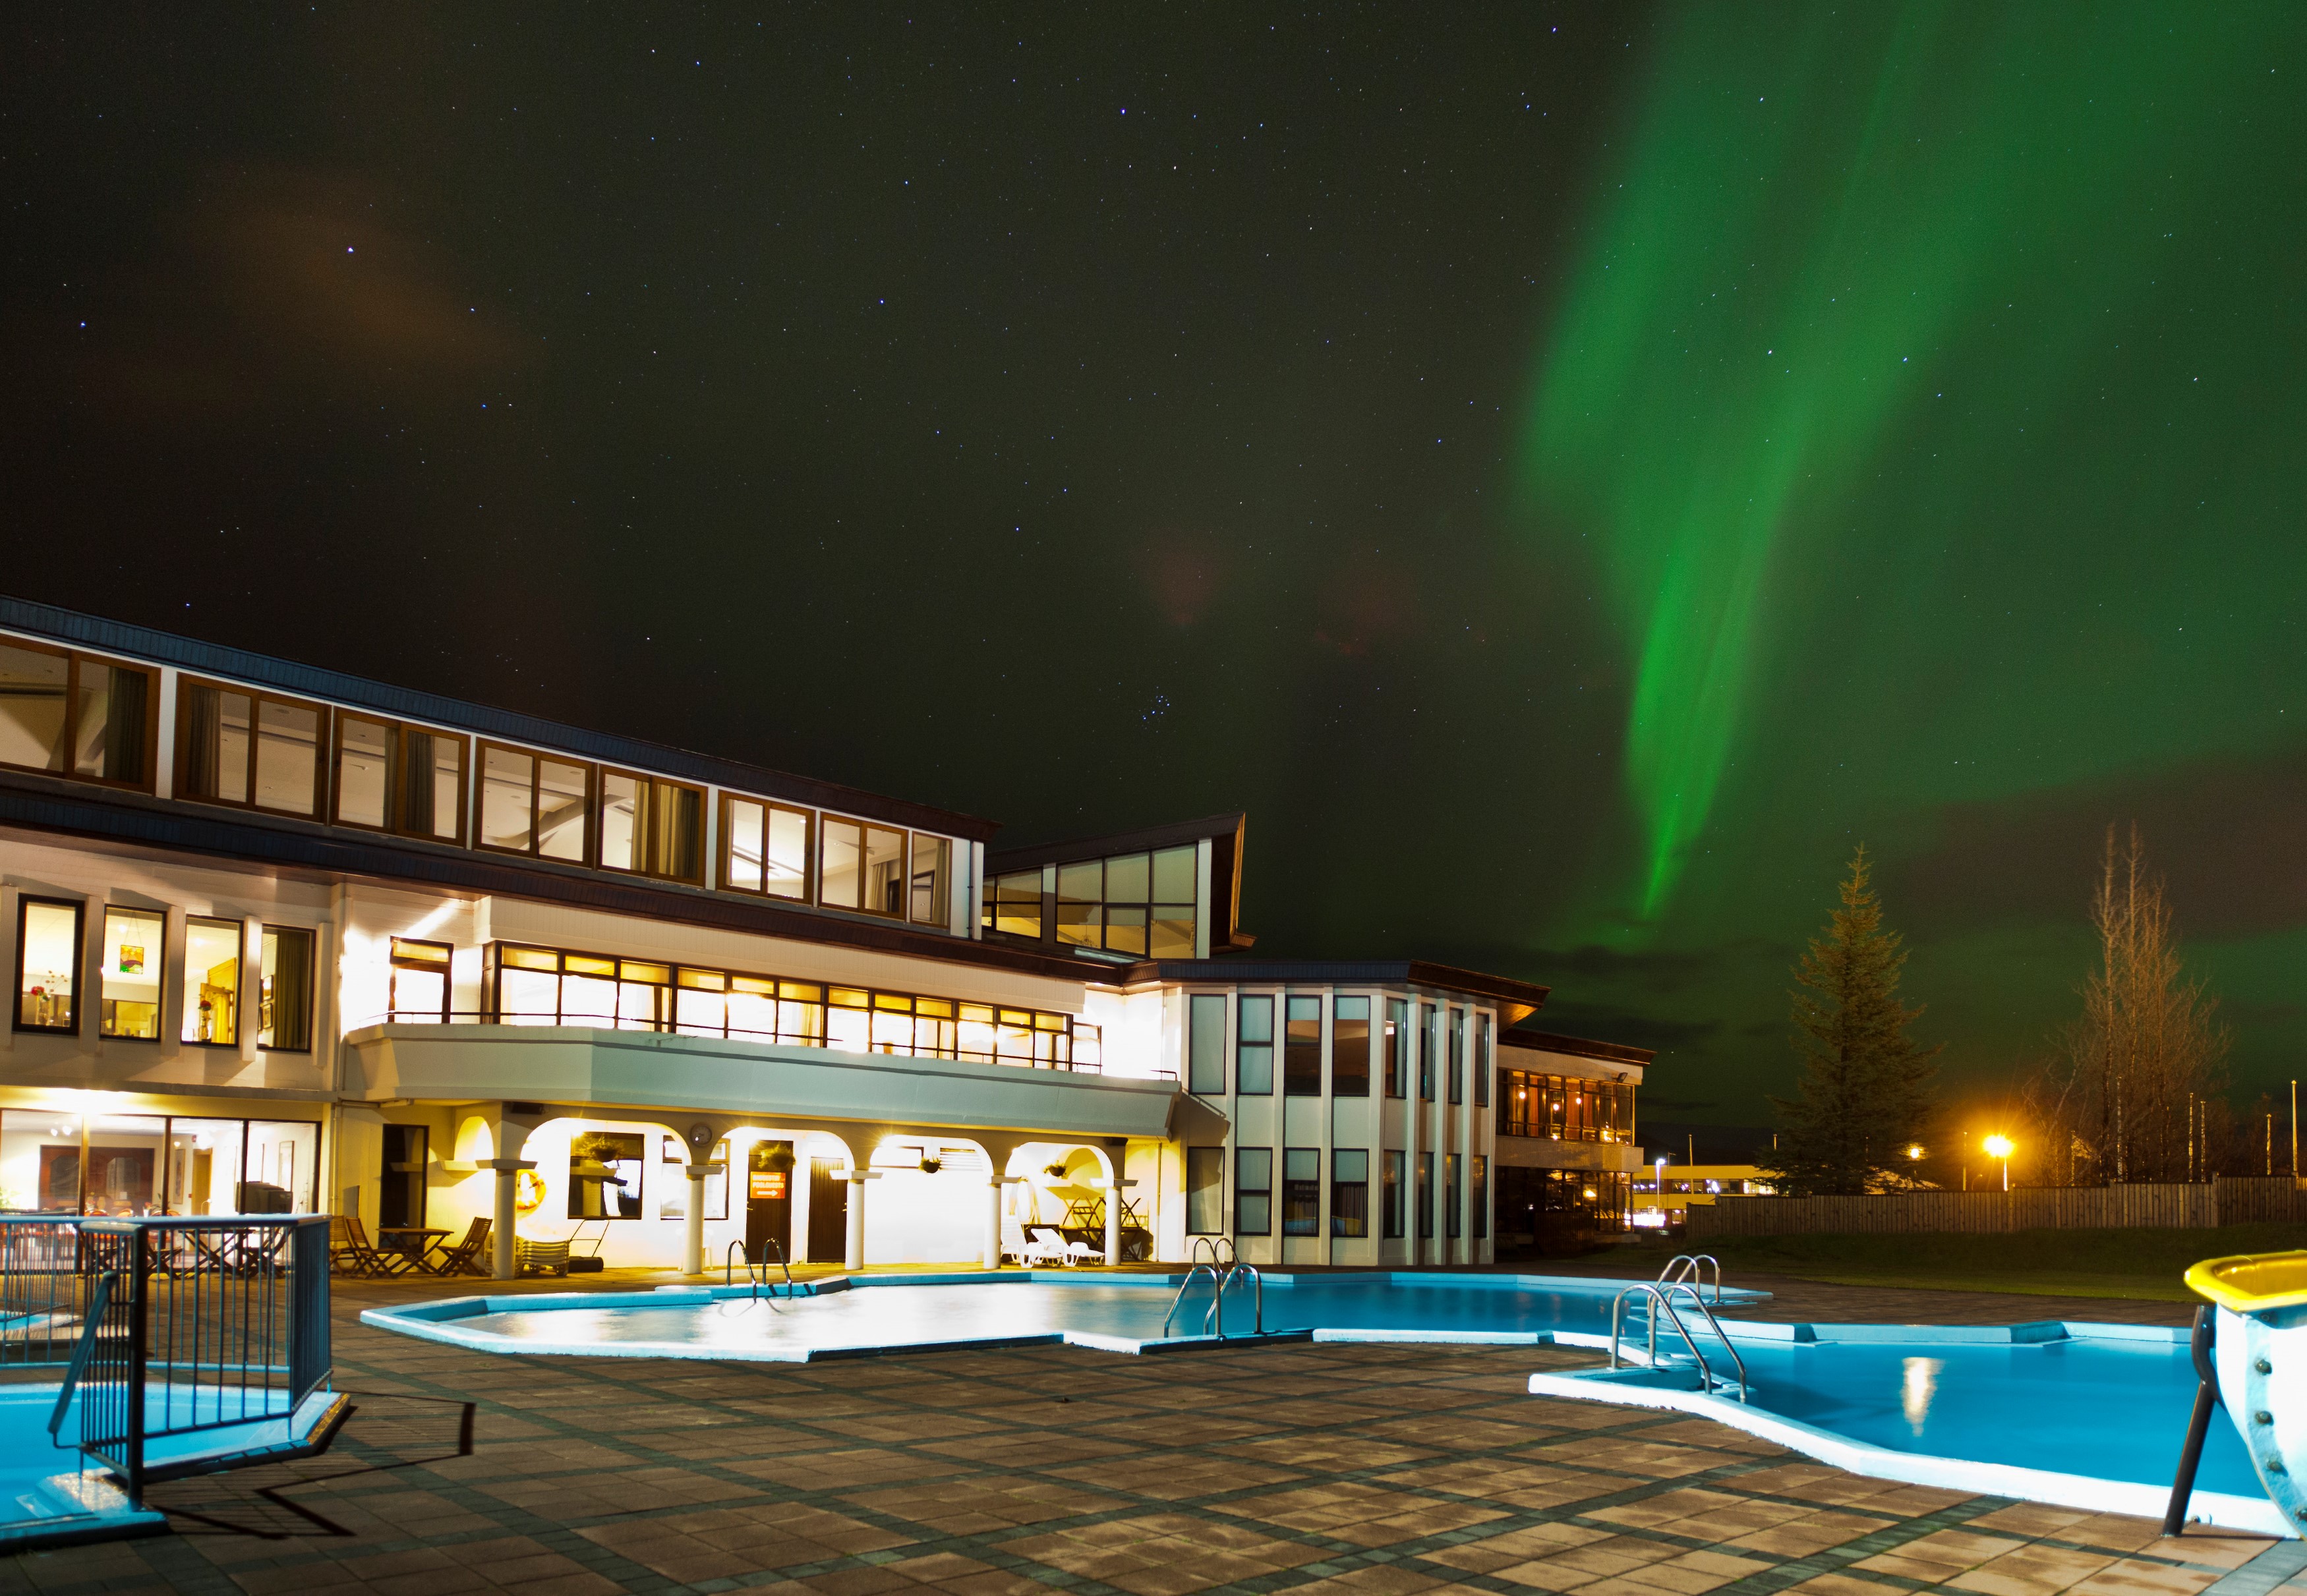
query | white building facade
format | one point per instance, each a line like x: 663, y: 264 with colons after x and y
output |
x: 286, y: 940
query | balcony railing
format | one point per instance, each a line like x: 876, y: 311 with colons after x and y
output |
x: 1019, y: 1059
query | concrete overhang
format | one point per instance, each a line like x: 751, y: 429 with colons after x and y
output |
x: 578, y: 1066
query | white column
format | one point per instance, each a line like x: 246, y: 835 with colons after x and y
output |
x: 693, y: 1228
x: 1112, y: 1190
x: 501, y: 1226
x: 993, y: 1221
x: 1413, y: 1049
x: 251, y: 985
x: 853, y: 1258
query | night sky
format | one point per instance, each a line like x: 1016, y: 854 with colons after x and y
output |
x: 1569, y: 473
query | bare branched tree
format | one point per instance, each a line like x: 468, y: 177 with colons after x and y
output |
x: 2133, y: 1091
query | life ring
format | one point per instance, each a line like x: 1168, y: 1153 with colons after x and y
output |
x: 527, y: 1192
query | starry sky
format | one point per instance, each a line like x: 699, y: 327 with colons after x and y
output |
x: 1569, y: 473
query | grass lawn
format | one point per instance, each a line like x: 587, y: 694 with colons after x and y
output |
x: 2059, y: 1263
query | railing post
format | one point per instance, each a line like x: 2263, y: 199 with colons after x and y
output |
x: 139, y: 1269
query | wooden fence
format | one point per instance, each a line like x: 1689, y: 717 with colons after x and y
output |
x: 2162, y: 1207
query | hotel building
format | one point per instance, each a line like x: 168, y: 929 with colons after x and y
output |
x: 286, y: 940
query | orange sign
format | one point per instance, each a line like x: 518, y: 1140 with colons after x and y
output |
x: 768, y: 1185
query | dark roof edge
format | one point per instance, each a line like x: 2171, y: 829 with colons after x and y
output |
x: 44, y: 804
x: 1406, y: 972
x: 1578, y: 1046
x: 1146, y: 839
x: 313, y: 681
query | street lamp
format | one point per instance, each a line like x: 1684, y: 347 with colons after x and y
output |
x: 1999, y: 1147
x: 1913, y: 1159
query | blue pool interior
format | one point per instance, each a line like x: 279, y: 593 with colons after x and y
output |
x: 2101, y: 1402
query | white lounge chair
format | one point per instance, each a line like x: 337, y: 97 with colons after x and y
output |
x: 1049, y: 1244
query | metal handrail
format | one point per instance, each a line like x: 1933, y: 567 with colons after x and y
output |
x: 782, y: 1264
x: 1661, y: 1297
x: 1213, y: 1243
x: 82, y: 1349
x: 1257, y: 1280
x: 1184, y: 1285
x: 1716, y: 1325
x: 1684, y: 1267
x: 727, y: 1270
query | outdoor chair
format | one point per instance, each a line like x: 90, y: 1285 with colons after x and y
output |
x: 466, y: 1257
x: 540, y: 1257
x: 1050, y: 1246
x: 349, y: 1252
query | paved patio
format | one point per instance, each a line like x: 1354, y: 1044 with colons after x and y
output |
x: 1370, y: 1468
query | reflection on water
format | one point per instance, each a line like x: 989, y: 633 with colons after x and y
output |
x: 1918, y: 1385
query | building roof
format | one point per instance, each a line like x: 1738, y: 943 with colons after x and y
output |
x: 1577, y: 1046
x: 406, y: 703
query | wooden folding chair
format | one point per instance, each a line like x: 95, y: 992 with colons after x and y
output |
x: 349, y: 1252
x: 464, y: 1256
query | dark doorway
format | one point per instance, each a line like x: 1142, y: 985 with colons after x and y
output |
x: 400, y: 1201
x: 828, y: 1212
x: 768, y: 1201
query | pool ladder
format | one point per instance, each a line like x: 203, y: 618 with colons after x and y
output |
x: 1684, y: 1266
x: 1658, y: 1300
x: 756, y: 1280
x: 1213, y: 1321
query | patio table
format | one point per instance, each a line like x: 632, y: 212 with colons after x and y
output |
x: 413, y: 1242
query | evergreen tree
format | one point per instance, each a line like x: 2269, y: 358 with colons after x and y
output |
x: 1865, y: 1093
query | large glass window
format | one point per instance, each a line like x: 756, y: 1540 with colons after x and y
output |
x: 236, y: 746
x: 931, y: 871
x: 1455, y: 1022
x: 1301, y: 1192
x: 131, y: 956
x: 1301, y: 1051
x: 135, y: 1165
x: 604, y: 1175
x: 885, y: 872
x: 672, y: 1181
x: 395, y: 778
x: 765, y: 849
x: 39, y: 1161
x: 48, y: 965
x: 1253, y: 1071
x: 1397, y: 1043
x: 420, y: 980
x: 1481, y: 1198
x: 652, y: 827
x: 1564, y: 1108
x: 284, y: 995
x: 840, y: 861
x: 1013, y: 904
x: 1426, y: 1196
x: 1253, y: 1192
x: 1482, y: 1068
x: 1350, y: 1047
x: 1450, y: 1163
x: 1430, y: 1042
x: 549, y: 986
x: 124, y: 1165
x: 534, y: 804
x: 1140, y: 904
x: 76, y: 714
x: 1204, y: 1191
x: 212, y: 982
x: 1205, y: 1044
x: 1349, y: 1192
x: 1392, y: 1204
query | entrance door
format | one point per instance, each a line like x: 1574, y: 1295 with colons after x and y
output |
x: 828, y: 1212
x: 768, y: 1201
x: 401, y: 1199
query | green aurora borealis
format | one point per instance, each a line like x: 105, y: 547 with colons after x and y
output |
x: 1927, y: 399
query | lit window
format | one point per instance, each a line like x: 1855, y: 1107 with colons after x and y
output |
x: 48, y: 965
x: 131, y: 957
x: 212, y: 982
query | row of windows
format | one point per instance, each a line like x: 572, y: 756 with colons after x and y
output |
x: 126, y: 1163
x: 1564, y: 1108
x: 1141, y: 904
x: 1352, y: 1050
x: 1532, y: 1202
x: 536, y: 985
x: 1301, y: 1192
x: 51, y: 950
x: 75, y: 714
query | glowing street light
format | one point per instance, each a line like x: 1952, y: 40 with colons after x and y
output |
x: 1999, y: 1147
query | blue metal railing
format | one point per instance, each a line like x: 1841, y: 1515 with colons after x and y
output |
x: 186, y: 1326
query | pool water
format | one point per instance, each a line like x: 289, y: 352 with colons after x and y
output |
x: 890, y: 1316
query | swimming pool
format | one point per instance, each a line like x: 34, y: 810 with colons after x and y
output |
x: 2081, y: 1416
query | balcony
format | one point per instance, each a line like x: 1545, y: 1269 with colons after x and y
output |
x: 647, y: 1066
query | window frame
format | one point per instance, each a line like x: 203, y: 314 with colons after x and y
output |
x: 769, y: 806
x: 1216, y: 1150
x: 1338, y: 1000
x: 645, y: 842
x: 1299, y: 1191
x: 323, y: 746
x: 103, y: 972
x: 1198, y: 1003
x: 1397, y: 1047
x: 446, y: 970
x: 311, y: 940
x: 394, y: 774
x: 74, y: 659
x: 1391, y: 1173
x: 536, y: 757
x: 239, y: 981
x: 1302, y: 1061
x: 1243, y: 1041
x: 1243, y: 1193
x: 79, y: 907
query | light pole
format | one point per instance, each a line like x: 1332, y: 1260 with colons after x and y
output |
x: 1999, y: 1147
x: 1914, y: 1161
